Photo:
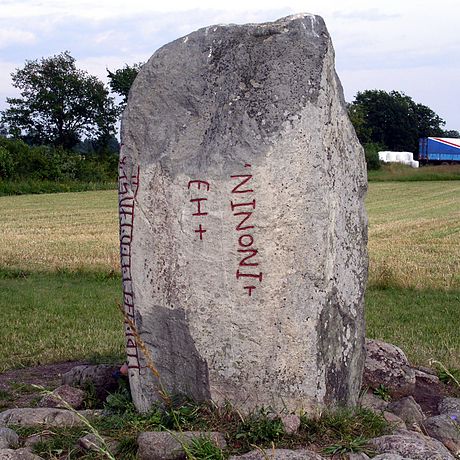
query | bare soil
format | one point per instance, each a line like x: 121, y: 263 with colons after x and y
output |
x: 16, y: 385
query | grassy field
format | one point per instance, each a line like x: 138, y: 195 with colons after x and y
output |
x: 59, y: 285
x: 399, y: 172
x: 414, y: 234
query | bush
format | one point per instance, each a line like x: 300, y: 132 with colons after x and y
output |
x: 21, y: 162
x: 371, y: 151
x: 6, y: 164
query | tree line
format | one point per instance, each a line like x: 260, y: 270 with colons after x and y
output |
x: 63, y: 124
x: 392, y: 121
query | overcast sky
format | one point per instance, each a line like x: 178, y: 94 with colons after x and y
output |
x: 405, y: 45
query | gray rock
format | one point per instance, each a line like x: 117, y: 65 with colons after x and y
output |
x: 370, y: 401
x: 8, y: 438
x: 74, y: 397
x: 33, y: 439
x: 18, y: 454
x: 450, y: 406
x: 161, y: 445
x: 446, y: 429
x: 278, y: 454
x: 291, y: 423
x: 49, y: 417
x: 408, y: 409
x: 410, y: 444
x: 101, y: 376
x: 390, y: 457
x: 92, y: 443
x: 387, y: 365
x: 424, y: 376
x: 243, y: 230
x: 357, y: 456
x: 394, y: 420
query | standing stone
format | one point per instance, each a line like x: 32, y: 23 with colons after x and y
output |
x: 243, y: 232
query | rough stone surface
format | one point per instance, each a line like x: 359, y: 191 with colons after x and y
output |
x: 413, y: 445
x: 33, y: 439
x: 154, y: 445
x: 387, y: 365
x: 390, y: 457
x: 408, y: 409
x: 425, y: 375
x: 446, y: 429
x: 74, y: 397
x: 393, y: 419
x: 49, y: 417
x: 370, y: 401
x: 450, y: 406
x: 243, y: 230
x: 8, y: 438
x: 101, y: 376
x: 19, y: 454
x: 91, y: 442
x: 278, y: 454
x: 357, y: 456
x: 291, y: 423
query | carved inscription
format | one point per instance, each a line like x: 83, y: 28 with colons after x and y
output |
x: 127, y: 191
x: 243, y: 205
x: 199, y: 204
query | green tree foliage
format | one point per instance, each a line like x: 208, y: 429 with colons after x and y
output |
x: 451, y: 133
x: 122, y: 79
x: 392, y: 120
x: 20, y: 161
x: 59, y: 104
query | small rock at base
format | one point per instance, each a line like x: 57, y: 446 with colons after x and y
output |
x: 408, y: 409
x: 357, y: 456
x: 412, y: 445
x: 161, y: 445
x: 425, y: 376
x: 449, y: 406
x: 394, y: 420
x: 101, y: 376
x: 278, y: 454
x: 44, y: 436
x: 74, y: 397
x: 291, y: 423
x: 387, y: 365
x: 390, y: 457
x: 372, y: 402
x: 42, y: 416
x: 92, y: 443
x: 445, y: 429
x: 8, y: 438
x: 19, y: 454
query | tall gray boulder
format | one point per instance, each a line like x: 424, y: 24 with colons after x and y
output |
x: 243, y: 232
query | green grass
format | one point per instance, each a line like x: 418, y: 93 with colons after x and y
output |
x: 340, y: 431
x: 32, y: 186
x: 59, y: 280
x: 58, y: 317
x: 74, y: 316
x: 424, y: 323
x: 402, y: 173
x: 414, y: 230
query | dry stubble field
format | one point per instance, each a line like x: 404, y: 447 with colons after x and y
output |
x: 414, y: 250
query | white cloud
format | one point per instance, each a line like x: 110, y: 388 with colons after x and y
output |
x: 12, y: 36
x: 409, y: 46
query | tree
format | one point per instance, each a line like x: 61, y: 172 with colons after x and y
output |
x: 392, y: 119
x: 59, y: 104
x: 451, y: 133
x: 122, y: 79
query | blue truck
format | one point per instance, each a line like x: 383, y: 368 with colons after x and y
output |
x: 439, y: 150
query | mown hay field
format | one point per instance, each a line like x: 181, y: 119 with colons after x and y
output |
x: 414, y: 233
x: 59, y: 282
